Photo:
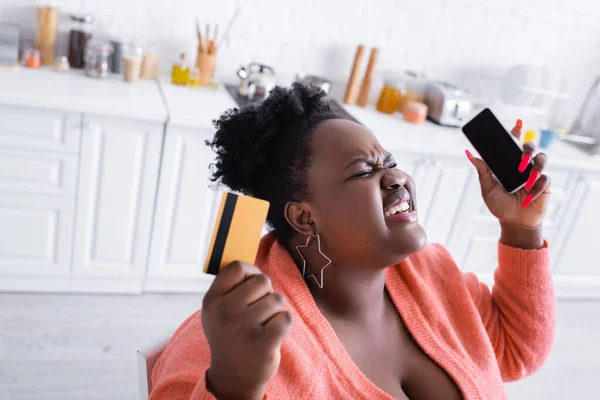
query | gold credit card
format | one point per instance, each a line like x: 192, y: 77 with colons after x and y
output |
x: 237, y: 232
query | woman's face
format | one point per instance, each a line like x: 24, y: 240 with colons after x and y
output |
x: 363, y: 207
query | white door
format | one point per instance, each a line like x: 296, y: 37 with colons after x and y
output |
x: 36, y: 235
x: 475, y: 234
x: 185, y: 208
x: 579, y: 257
x: 117, y: 184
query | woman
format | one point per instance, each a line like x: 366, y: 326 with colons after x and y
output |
x: 341, y: 213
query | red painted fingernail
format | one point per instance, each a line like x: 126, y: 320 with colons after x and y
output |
x: 527, y: 200
x: 469, y: 156
x: 532, y: 178
x: 520, y: 123
x: 524, y: 162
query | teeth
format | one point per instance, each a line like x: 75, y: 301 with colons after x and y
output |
x: 404, y: 206
x: 398, y: 208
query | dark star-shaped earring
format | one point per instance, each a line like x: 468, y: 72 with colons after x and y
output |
x: 308, y: 243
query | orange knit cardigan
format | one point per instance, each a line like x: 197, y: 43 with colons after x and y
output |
x: 480, y: 338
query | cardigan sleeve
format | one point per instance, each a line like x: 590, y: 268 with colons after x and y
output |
x: 180, y: 372
x: 519, y: 312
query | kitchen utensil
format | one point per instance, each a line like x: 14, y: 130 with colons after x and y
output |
x: 9, y: 45
x: 45, y: 38
x: 78, y: 38
x: 205, y: 63
x: 97, y: 58
x: 321, y: 83
x: 391, y: 94
x: 206, y: 58
x: 352, y: 87
x: 363, y: 96
x: 448, y: 105
x: 256, y: 80
x: 132, y: 64
x: 415, y: 112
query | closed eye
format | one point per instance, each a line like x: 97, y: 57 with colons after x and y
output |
x: 392, y: 166
x: 363, y: 174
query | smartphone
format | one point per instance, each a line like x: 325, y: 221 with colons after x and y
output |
x: 498, y: 148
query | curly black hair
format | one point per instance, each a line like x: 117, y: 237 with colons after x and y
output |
x: 264, y: 150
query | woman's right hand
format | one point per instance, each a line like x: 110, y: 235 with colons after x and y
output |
x: 245, y: 323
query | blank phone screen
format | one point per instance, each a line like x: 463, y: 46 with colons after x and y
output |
x: 497, y: 148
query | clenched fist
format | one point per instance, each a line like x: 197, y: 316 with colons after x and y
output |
x: 245, y: 324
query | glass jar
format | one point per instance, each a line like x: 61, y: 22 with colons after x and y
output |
x: 416, y: 86
x: 97, y: 59
x: 390, y: 96
x: 132, y: 63
x: 149, y: 63
x: 80, y: 35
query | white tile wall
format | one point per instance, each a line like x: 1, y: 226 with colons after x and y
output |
x: 462, y: 40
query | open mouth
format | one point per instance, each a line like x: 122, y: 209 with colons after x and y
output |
x: 402, y: 207
x: 398, y: 204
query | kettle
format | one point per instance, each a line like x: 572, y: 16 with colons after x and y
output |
x: 256, y: 80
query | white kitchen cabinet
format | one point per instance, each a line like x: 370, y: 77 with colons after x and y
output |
x: 36, y: 236
x: 580, y: 237
x: 185, y: 211
x: 38, y: 129
x: 447, y: 179
x: 38, y: 172
x: 117, y: 184
x: 474, y: 239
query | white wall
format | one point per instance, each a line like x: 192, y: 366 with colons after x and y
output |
x: 464, y: 40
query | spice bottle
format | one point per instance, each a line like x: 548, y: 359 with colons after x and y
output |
x: 181, y: 72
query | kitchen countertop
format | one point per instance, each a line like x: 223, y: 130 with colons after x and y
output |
x: 194, y: 107
x: 75, y: 92
x: 396, y: 134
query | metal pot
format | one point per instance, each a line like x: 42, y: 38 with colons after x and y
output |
x: 256, y: 80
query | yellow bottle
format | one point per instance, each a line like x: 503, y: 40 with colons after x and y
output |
x: 181, y: 72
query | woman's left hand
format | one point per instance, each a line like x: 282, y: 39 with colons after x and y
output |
x: 526, y: 207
